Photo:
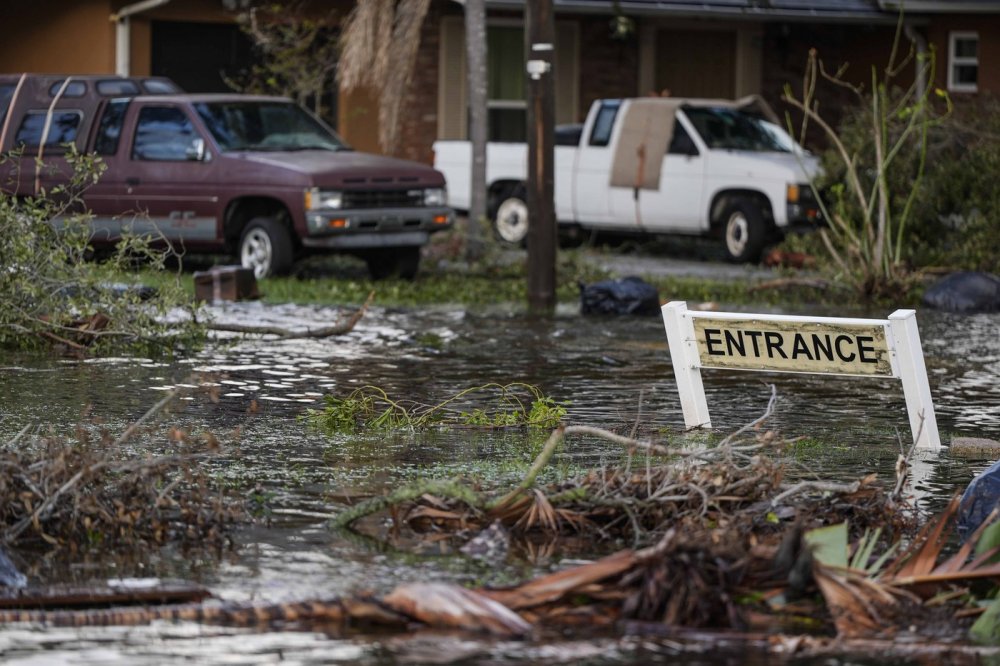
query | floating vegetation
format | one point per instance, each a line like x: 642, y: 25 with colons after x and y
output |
x: 370, y: 408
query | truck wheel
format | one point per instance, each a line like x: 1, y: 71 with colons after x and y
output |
x: 400, y: 262
x: 745, y: 231
x: 266, y: 247
x: 511, y: 220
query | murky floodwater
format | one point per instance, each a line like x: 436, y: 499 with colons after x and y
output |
x: 613, y: 372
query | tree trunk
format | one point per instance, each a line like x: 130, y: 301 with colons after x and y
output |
x: 475, y: 45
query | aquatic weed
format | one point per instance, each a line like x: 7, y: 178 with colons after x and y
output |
x: 513, y: 405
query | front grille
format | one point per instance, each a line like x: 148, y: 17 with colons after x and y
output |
x: 383, y: 198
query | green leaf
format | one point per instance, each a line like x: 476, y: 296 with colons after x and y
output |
x: 988, y: 540
x: 829, y: 544
x: 987, y: 627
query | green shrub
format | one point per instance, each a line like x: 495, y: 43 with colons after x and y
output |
x: 955, y: 214
x: 51, y: 294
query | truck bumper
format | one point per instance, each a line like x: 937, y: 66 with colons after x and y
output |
x: 368, y: 240
x: 803, y: 216
x: 384, y: 227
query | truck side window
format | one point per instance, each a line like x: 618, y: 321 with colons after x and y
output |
x: 62, y: 129
x: 601, y: 134
x: 162, y: 133
x: 110, y: 128
x: 681, y: 143
x: 72, y: 89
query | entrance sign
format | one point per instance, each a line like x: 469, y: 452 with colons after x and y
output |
x: 782, y: 343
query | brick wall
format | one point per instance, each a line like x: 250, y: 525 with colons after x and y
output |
x: 608, y: 68
x: 786, y: 50
x: 419, y: 113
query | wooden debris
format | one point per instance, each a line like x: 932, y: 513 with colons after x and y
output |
x: 127, y: 592
x: 439, y: 605
x: 340, y: 328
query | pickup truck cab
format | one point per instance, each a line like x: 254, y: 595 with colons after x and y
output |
x: 255, y: 176
x: 657, y: 165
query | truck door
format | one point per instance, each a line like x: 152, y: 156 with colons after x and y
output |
x: 593, y: 163
x: 162, y: 179
x: 677, y: 206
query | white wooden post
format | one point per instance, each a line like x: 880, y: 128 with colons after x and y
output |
x: 913, y: 373
x: 684, y: 357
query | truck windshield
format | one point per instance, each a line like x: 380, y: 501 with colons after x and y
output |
x: 729, y: 129
x: 267, y: 126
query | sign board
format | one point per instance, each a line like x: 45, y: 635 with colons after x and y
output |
x: 782, y: 343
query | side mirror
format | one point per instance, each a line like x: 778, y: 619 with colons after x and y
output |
x: 196, y: 152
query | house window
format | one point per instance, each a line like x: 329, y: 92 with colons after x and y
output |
x: 506, y: 105
x: 963, y: 61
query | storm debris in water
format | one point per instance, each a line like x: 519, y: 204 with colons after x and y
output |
x: 95, y: 490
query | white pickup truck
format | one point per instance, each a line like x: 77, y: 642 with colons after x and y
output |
x: 726, y: 171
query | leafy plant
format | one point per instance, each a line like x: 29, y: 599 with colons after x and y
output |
x: 370, y: 407
x: 868, y: 219
x: 297, y: 55
x: 50, y: 292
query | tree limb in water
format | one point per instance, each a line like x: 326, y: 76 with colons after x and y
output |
x: 340, y: 328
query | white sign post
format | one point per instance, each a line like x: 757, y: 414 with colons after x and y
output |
x: 782, y: 343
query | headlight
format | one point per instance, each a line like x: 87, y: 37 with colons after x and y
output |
x: 792, y: 193
x: 435, y: 196
x: 317, y: 199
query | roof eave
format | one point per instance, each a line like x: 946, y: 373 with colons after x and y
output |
x: 938, y: 7
x: 699, y: 10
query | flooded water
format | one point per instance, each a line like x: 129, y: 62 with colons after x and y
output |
x: 614, y: 373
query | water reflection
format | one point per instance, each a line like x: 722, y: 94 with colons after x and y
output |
x: 614, y: 373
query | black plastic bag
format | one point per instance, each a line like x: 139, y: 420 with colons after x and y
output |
x: 628, y: 296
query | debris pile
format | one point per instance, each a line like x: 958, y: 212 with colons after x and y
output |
x: 77, y: 493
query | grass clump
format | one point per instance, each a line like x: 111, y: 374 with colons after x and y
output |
x: 371, y: 408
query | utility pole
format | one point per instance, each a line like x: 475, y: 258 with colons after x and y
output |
x: 475, y: 49
x: 540, y: 36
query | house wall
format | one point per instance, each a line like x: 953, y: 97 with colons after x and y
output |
x: 988, y: 27
x: 420, y: 105
x: 608, y: 68
x: 786, y: 50
x: 46, y: 37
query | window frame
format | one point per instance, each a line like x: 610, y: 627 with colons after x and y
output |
x: 499, y: 104
x: 962, y: 61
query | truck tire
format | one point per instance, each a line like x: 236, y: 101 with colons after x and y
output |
x: 402, y: 262
x: 511, y: 219
x: 266, y: 247
x: 744, y: 231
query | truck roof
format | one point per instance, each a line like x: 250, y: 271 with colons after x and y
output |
x: 195, y: 98
x: 753, y: 103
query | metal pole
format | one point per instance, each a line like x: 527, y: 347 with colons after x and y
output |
x: 540, y: 47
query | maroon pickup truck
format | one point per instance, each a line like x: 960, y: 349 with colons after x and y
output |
x: 254, y: 176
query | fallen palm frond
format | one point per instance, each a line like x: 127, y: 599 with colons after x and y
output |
x: 877, y: 600
x: 379, y: 45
